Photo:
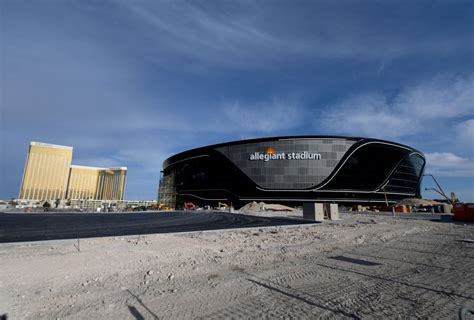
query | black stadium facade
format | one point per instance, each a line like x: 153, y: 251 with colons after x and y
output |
x: 293, y: 170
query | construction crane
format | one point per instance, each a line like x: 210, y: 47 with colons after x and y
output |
x: 440, y: 191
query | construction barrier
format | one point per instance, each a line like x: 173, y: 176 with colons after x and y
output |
x: 464, y: 212
x: 403, y: 209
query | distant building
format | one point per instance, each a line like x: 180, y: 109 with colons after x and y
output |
x: 49, y: 175
x: 46, y: 172
x: 96, y: 183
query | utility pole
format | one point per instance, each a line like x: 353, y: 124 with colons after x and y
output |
x: 385, y: 194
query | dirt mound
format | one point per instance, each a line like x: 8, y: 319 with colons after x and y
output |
x: 417, y: 202
x: 252, y: 207
x: 262, y: 206
x: 277, y: 207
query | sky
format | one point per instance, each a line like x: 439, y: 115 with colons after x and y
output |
x: 130, y: 83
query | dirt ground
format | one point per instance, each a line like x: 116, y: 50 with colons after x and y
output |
x: 362, y: 266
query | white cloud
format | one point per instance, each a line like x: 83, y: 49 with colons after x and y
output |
x: 235, y: 117
x: 433, y: 110
x: 245, y: 34
x: 366, y: 115
x: 442, y: 98
x: 465, y: 135
x: 208, y: 34
x: 448, y: 165
x: 426, y: 107
x: 269, y: 116
x: 148, y: 158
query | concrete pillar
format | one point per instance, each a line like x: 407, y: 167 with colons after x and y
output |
x: 313, y: 211
x: 333, y: 211
x: 447, y: 208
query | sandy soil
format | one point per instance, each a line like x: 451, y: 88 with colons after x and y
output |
x: 360, y: 267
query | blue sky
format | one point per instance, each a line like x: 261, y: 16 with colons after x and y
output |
x: 133, y: 82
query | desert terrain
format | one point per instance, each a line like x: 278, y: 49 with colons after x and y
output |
x: 362, y: 266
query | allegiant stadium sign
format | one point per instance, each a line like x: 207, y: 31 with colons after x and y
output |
x: 270, y: 154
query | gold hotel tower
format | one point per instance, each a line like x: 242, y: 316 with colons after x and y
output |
x: 49, y: 175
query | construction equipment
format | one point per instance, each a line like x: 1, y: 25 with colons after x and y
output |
x: 189, y: 206
x: 222, y: 206
x: 159, y: 207
x: 163, y: 207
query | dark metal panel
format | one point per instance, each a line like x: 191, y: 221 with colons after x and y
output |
x: 288, y: 173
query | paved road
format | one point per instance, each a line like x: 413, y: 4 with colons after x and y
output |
x: 50, y: 226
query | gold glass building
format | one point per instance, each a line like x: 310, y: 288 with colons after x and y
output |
x: 49, y: 175
x: 111, y: 184
x: 83, y: 182
x: 46, y: 172
x: 96, y: 183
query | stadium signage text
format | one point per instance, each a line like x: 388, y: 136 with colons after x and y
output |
x: 305, y: 155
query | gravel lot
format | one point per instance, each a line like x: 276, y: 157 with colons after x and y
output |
x: 363, y: 266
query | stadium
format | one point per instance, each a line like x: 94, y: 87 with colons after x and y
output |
x: 292, y: 170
